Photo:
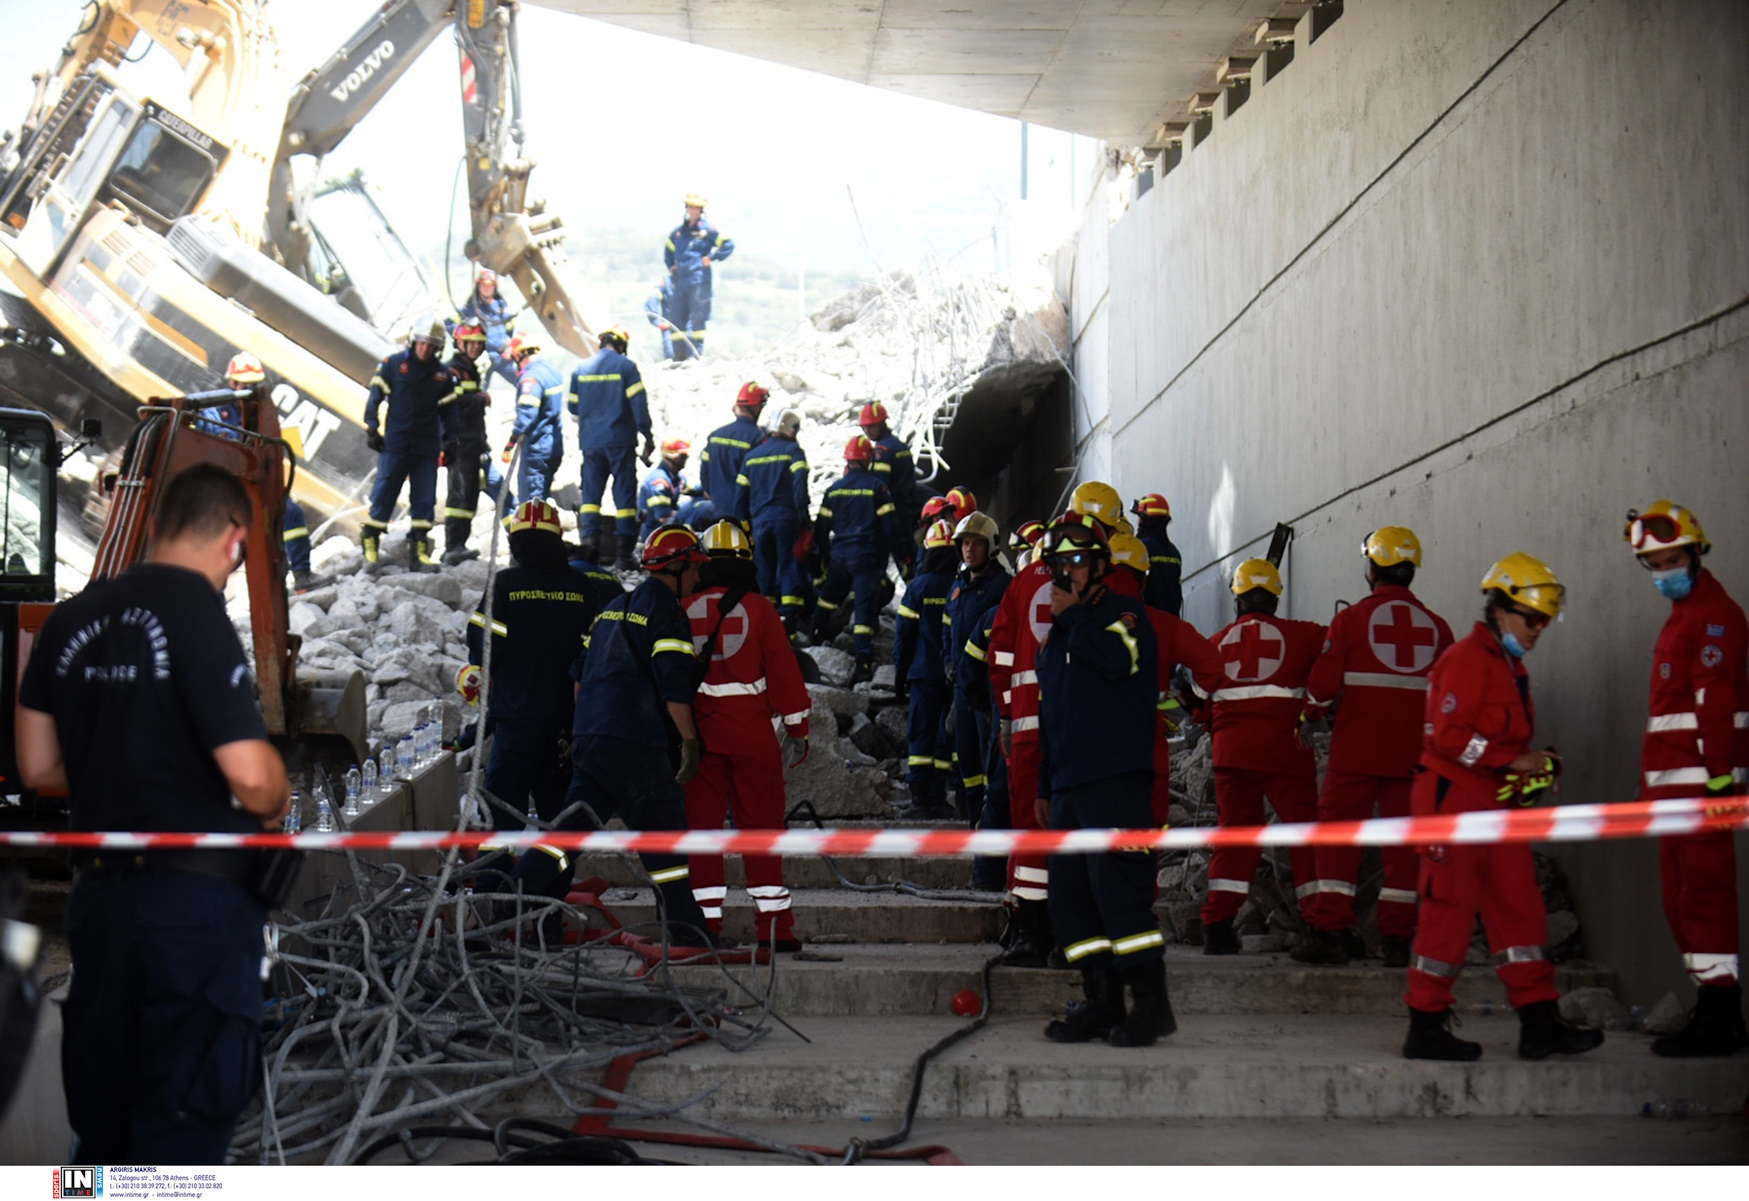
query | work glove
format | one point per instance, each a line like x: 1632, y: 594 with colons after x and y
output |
x: 795, y: 752
x: 1527, y: 788
x: 1308, y: 727
x: 947, y: 723
x: 374, y: 440
x: 451, y: 453
x: 468, y: 681
x: 648, y: 452
x: 691, y: 758
x: 1005, y: 730
x: 1721, y: 787
x: 1171, y: 717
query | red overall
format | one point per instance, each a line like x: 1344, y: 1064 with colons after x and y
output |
x: 1257, y: 753
x: 1022, y: 621
x: 753, y: 678
x: 1479, y: 719
x: 1376, y: 659
x: 1698, y: 729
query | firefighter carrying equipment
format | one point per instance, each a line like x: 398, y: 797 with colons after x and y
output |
x: 245, y: 368
x: 1152, y: 505
x: 1662, y: 526
x: 1390, y: 545
x: 976, y: 525
x: 1099, y: 501
x: 1256, y: 573
x: 1527, y: 581
x: 728, y: 538
x: 538, y: 515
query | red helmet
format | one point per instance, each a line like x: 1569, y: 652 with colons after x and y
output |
x: 245, y: 368
x: 752, y: 394
x: 1072, y: 532
x: 536, y: 515
x: 520, y: 345
x: 469, y: 332
x: 859, y: 450
x: 873, y: 413
x: 671, y: 545
x: 1026, y: 534
x: 962, y: 501
x: 1151, y: 505
x: 675, y: 447
x: 934, y: 507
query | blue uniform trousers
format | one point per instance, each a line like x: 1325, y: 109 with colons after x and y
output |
x: 1108, y: 898
x: 419, y: 473
x: 620, y: 463
x: 864, y: 578
x: 526, y: 760
x: 780, y: 576
x: 297, y: 536
x: 162, y: 1048
x: 535, y: 472
x: 703, y: 515
x: 991, y: 874
x: 690, y: 311
x: 931, y: 754
x: 634, y: 782
x: 971, y: 735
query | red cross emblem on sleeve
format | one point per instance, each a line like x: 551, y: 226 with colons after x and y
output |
x: 1403, y: 637
x: 1253, y: 651
x: 1039, y: 612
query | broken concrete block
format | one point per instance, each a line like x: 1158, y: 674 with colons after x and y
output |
x: 1667, y: 1016
x: 440, y: 587
x: 412, y: 624
x: 835, y: 665
x: 893, y: 721
x: 306, y: 619
x: 838, y: 700
x: 868, y: 738
x: 854, y: 755
x: 1598, y: 1008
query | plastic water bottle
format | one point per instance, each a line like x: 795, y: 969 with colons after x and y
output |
x: 406, y: 756
x: 434, y: 715
x: 294, y: 817
x: 324, y: 814
x: 354, y: 782
x: 386, y: 776
x: 367, y: 786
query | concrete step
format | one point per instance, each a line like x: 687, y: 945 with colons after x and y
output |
x: 877, y: 980
x: 806, y: 871
x: 840, y: 915
x: 1244, y: 1066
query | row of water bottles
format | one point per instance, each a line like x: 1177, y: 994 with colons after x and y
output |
x: 376, y: 779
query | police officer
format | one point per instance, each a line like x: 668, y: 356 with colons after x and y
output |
x: 1097, y: 670
x: 919, y: 671
x: 1476, y: 756
x: 613, y: 410
x: 462, y: 454
x: 1697, y: 743
x: 538, y: 425
x: 692, y: 248
x: 856, y: 529
x: 771, y: 498
x: 245, y: 374
x: 976, y: 590
x: 635, y: 685
x: 1165, y: 564
x: 541, y: 609
x: 659, y: 308
x: 724, y: 452
x: 489, y: 311
x: 414, y: 385
x: 664, y: 496
x: 138, y: 702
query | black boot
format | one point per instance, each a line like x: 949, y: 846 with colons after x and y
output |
x: 1543, y: 1032
x: 624, y: 562
x: 1218, y: 938
x: 864, y: 670
x: 1430, y: 1037
x: 419, y: 554
x: 1394, y: 949
x: 1320, y: 946
x: 458, y: 553
x: 1150, y: 1017
x: 1352, y: 943
x: 1097, y: 1015
x: 1714, y: 1028
x: 1033, y: 936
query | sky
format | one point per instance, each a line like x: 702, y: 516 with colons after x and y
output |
x: 624, y: 124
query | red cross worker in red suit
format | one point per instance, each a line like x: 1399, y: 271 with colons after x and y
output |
x: 1476, y: 757
x: 1697, y: 744
x: 1376, y: 659
x: 1257, y: 753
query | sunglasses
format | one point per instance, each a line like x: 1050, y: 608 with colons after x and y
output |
x: 1530, y: 617
x: 1073, y: 559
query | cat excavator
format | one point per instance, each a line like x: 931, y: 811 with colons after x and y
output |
x: 148, y: 238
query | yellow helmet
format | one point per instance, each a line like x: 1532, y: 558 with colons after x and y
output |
x: 1256, y: 573
x: 616, y: 333
x: 1127, y: 551
x: 1663, y: 526
x: 939, y: 534
x: 1390, y: 545
x: 695, y: 199
x: 1099, y: 501
x: 1528, y: 582
x: 728, y: 538
x: 976, y: 525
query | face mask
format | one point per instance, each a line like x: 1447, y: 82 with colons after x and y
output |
x: 1673, y: 584
x: 1513, y: 646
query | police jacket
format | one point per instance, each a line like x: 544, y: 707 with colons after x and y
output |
x: 539, y: 392
x: 1479, y: 716
x: 720, y: 461
x: 659, y: 492
x: 857, y: 525
x: 893, y: 463
x: 1097, y: 672
x: 1165, y: 565
x: 1699, y: 723
x: 1257, y: 705
x: 492, y: 315
x: 752, y: 675
x: 773, y: 482
x: 469, y: 402
x: 637, y: 658
x: 917, y: 637
x: 607, y: 395
x: 969, y: 598
x: 418, y: 422
x: 687, y: 248
x: 1376, y: 658
x: 538, y: 622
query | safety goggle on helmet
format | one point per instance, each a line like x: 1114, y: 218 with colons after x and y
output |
x: 1662, y: 526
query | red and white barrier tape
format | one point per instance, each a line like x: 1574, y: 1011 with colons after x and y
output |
x: 1569, y: 823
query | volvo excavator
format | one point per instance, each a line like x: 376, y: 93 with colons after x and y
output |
x: 149, y: 237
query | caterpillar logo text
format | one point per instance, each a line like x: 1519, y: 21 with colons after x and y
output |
x: 355, y: 78
x: 311, y: 420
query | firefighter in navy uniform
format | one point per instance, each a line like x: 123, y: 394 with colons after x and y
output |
x: 693, y: 246
x: 976, y: 590
x: 663, y: 496
x: 464, y: 454
x: 894, y: 464
x: 413, y: 385
x: 541, y: 609
x: 1097, y: 675
x: 1165, y: 564
x: 139, y: 703
x: 1697, y: 744
x: 244, y: 373
x: 856, y: 529
x: 728, y: 446
x: 635, y: 685
x: 920, y: 674
x: 538, y: 426
x: 771, y: 500
x: 1476, y: 757
x: 613, y: 412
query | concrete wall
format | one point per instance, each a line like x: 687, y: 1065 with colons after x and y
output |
x: 1477, y: 268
